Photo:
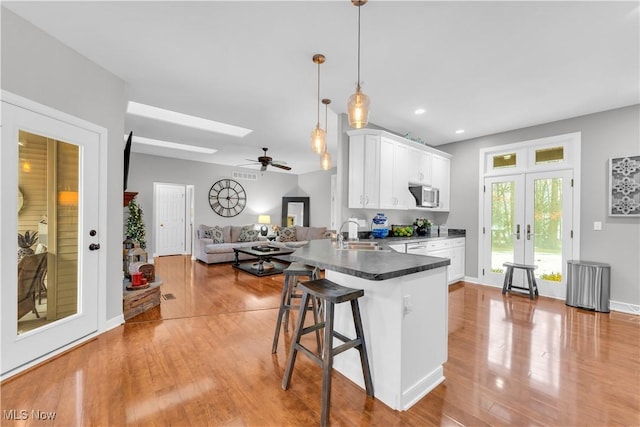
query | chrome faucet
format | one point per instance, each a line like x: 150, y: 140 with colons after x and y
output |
x: 340, y: 237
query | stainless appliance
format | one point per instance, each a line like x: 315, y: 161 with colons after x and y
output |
x: 426, y: 197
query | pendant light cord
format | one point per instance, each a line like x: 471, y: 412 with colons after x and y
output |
x: 318, y: 115
x: 358, y: 84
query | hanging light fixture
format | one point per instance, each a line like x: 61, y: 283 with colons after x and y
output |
x: 325, y: 158
x: 318, y: 135
x: 358, y: 105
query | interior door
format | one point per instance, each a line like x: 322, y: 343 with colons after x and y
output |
x: 528, y: 219
x: 170, y: 224
x: 54, y: 165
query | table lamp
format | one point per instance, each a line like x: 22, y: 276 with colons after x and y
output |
x: 264, y: 219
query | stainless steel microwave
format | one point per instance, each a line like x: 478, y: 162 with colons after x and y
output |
x: 426, y: 197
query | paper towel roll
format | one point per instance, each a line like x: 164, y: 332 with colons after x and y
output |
x: 353, y: 228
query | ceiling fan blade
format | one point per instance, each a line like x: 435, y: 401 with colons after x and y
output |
x: 276, y: 165
x: 248, y: 164
x: 280, y: 162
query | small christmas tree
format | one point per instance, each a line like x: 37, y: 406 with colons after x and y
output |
x: 135, y: 225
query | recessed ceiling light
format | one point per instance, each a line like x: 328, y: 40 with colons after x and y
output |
x: 460, y: 131
x: 420, y: 111
x: 172, y: 145
x: 185, y: 120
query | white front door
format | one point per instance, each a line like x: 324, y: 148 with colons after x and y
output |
x: 528, y: 219
x: 50, y: 289
x: 170, y: 224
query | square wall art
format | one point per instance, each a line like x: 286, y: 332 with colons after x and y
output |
x: 624, y: 186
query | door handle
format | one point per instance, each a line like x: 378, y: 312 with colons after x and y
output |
x: 94, y: 246
x: 528, y: 231
x: 518, y: 231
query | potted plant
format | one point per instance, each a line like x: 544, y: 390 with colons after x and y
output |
x: 25, y: 241
x: 423, y: 226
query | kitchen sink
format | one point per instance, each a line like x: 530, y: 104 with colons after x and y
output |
x: 360, y: 246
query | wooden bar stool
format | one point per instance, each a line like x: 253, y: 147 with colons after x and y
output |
x: 289, y: 291
x: 508, y: 285
x: 329, y: 294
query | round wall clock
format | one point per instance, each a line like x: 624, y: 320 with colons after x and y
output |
x: 227, y: 197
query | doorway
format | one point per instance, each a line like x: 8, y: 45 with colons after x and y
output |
x: 51, y: 167
x: 529, y: 211
x: 173, y: 218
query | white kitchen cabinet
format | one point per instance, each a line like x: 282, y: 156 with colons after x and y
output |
x: 440, y: 179
x: 419, y: 167
x: 364, y: 171
x: 381, y: 166
x: 453, y: 249
x: 394, y: 189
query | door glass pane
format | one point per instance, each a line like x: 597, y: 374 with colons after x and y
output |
x: 502, y: 224
x: 47, y: 230
x: 548, y: 228
x: 504, y: 161
x: 550, y: 155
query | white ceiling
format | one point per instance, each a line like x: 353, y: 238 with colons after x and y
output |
x: 485, y: 67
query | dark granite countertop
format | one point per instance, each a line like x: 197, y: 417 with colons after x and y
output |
x: 370, y: 265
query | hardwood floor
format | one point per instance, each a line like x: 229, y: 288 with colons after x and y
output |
x: 204, y: 358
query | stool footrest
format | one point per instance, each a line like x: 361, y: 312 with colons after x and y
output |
x: 309, y: 353
x: 346, y: 346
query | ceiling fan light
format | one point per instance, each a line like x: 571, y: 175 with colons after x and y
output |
x: 325, y: 161
x: 318, y: 140
x: 358, y: 109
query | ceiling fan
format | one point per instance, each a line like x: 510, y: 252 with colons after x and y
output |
x: 268, y: 161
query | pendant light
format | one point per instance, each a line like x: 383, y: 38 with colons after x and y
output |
x: 325, y: 158
x: 358, y: 105
x: 318, y: 135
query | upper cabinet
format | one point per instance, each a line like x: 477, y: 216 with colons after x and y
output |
x: 382, y: 165
x: 394, y: 191
x: 440, y: 179
x: 364, y: 172
x: 419, y: 166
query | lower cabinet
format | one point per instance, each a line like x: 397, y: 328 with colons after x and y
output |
x: 453, y: 249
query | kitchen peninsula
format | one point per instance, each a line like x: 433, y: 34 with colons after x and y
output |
x: 404, y: 314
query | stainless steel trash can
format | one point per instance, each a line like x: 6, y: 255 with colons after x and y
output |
x: 588, y: 285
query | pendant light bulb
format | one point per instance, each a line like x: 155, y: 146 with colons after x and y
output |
x: 318, y: 135
x: 358, y: 104
x: 325, y: 157
x: 325, y: 161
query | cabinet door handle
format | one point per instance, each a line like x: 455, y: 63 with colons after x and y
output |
x: 518, y: 231
x: 528, y: 231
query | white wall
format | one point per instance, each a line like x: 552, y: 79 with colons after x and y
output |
x: 40, y: 68
x: 607, y: 134
x: 317, y: 185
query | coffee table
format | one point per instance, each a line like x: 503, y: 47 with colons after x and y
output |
x: 263, y: 255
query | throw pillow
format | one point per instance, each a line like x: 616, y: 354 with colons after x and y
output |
x: 216, y: 234
x: 213, y: 233
x: 248, y: 234
x: 288, y: 234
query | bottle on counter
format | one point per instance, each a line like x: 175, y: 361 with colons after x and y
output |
x: 380, y: 226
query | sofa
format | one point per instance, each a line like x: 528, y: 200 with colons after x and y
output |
x: 215, y: 244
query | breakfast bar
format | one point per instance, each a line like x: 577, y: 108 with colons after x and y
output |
x: 404, y: 314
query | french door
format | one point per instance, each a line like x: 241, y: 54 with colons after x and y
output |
x: 528, y: 219
x: 49, y: 292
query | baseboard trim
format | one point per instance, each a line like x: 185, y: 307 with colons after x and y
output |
x: 622, y: 307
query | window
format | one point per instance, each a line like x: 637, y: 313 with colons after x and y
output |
x: 504, y: 161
